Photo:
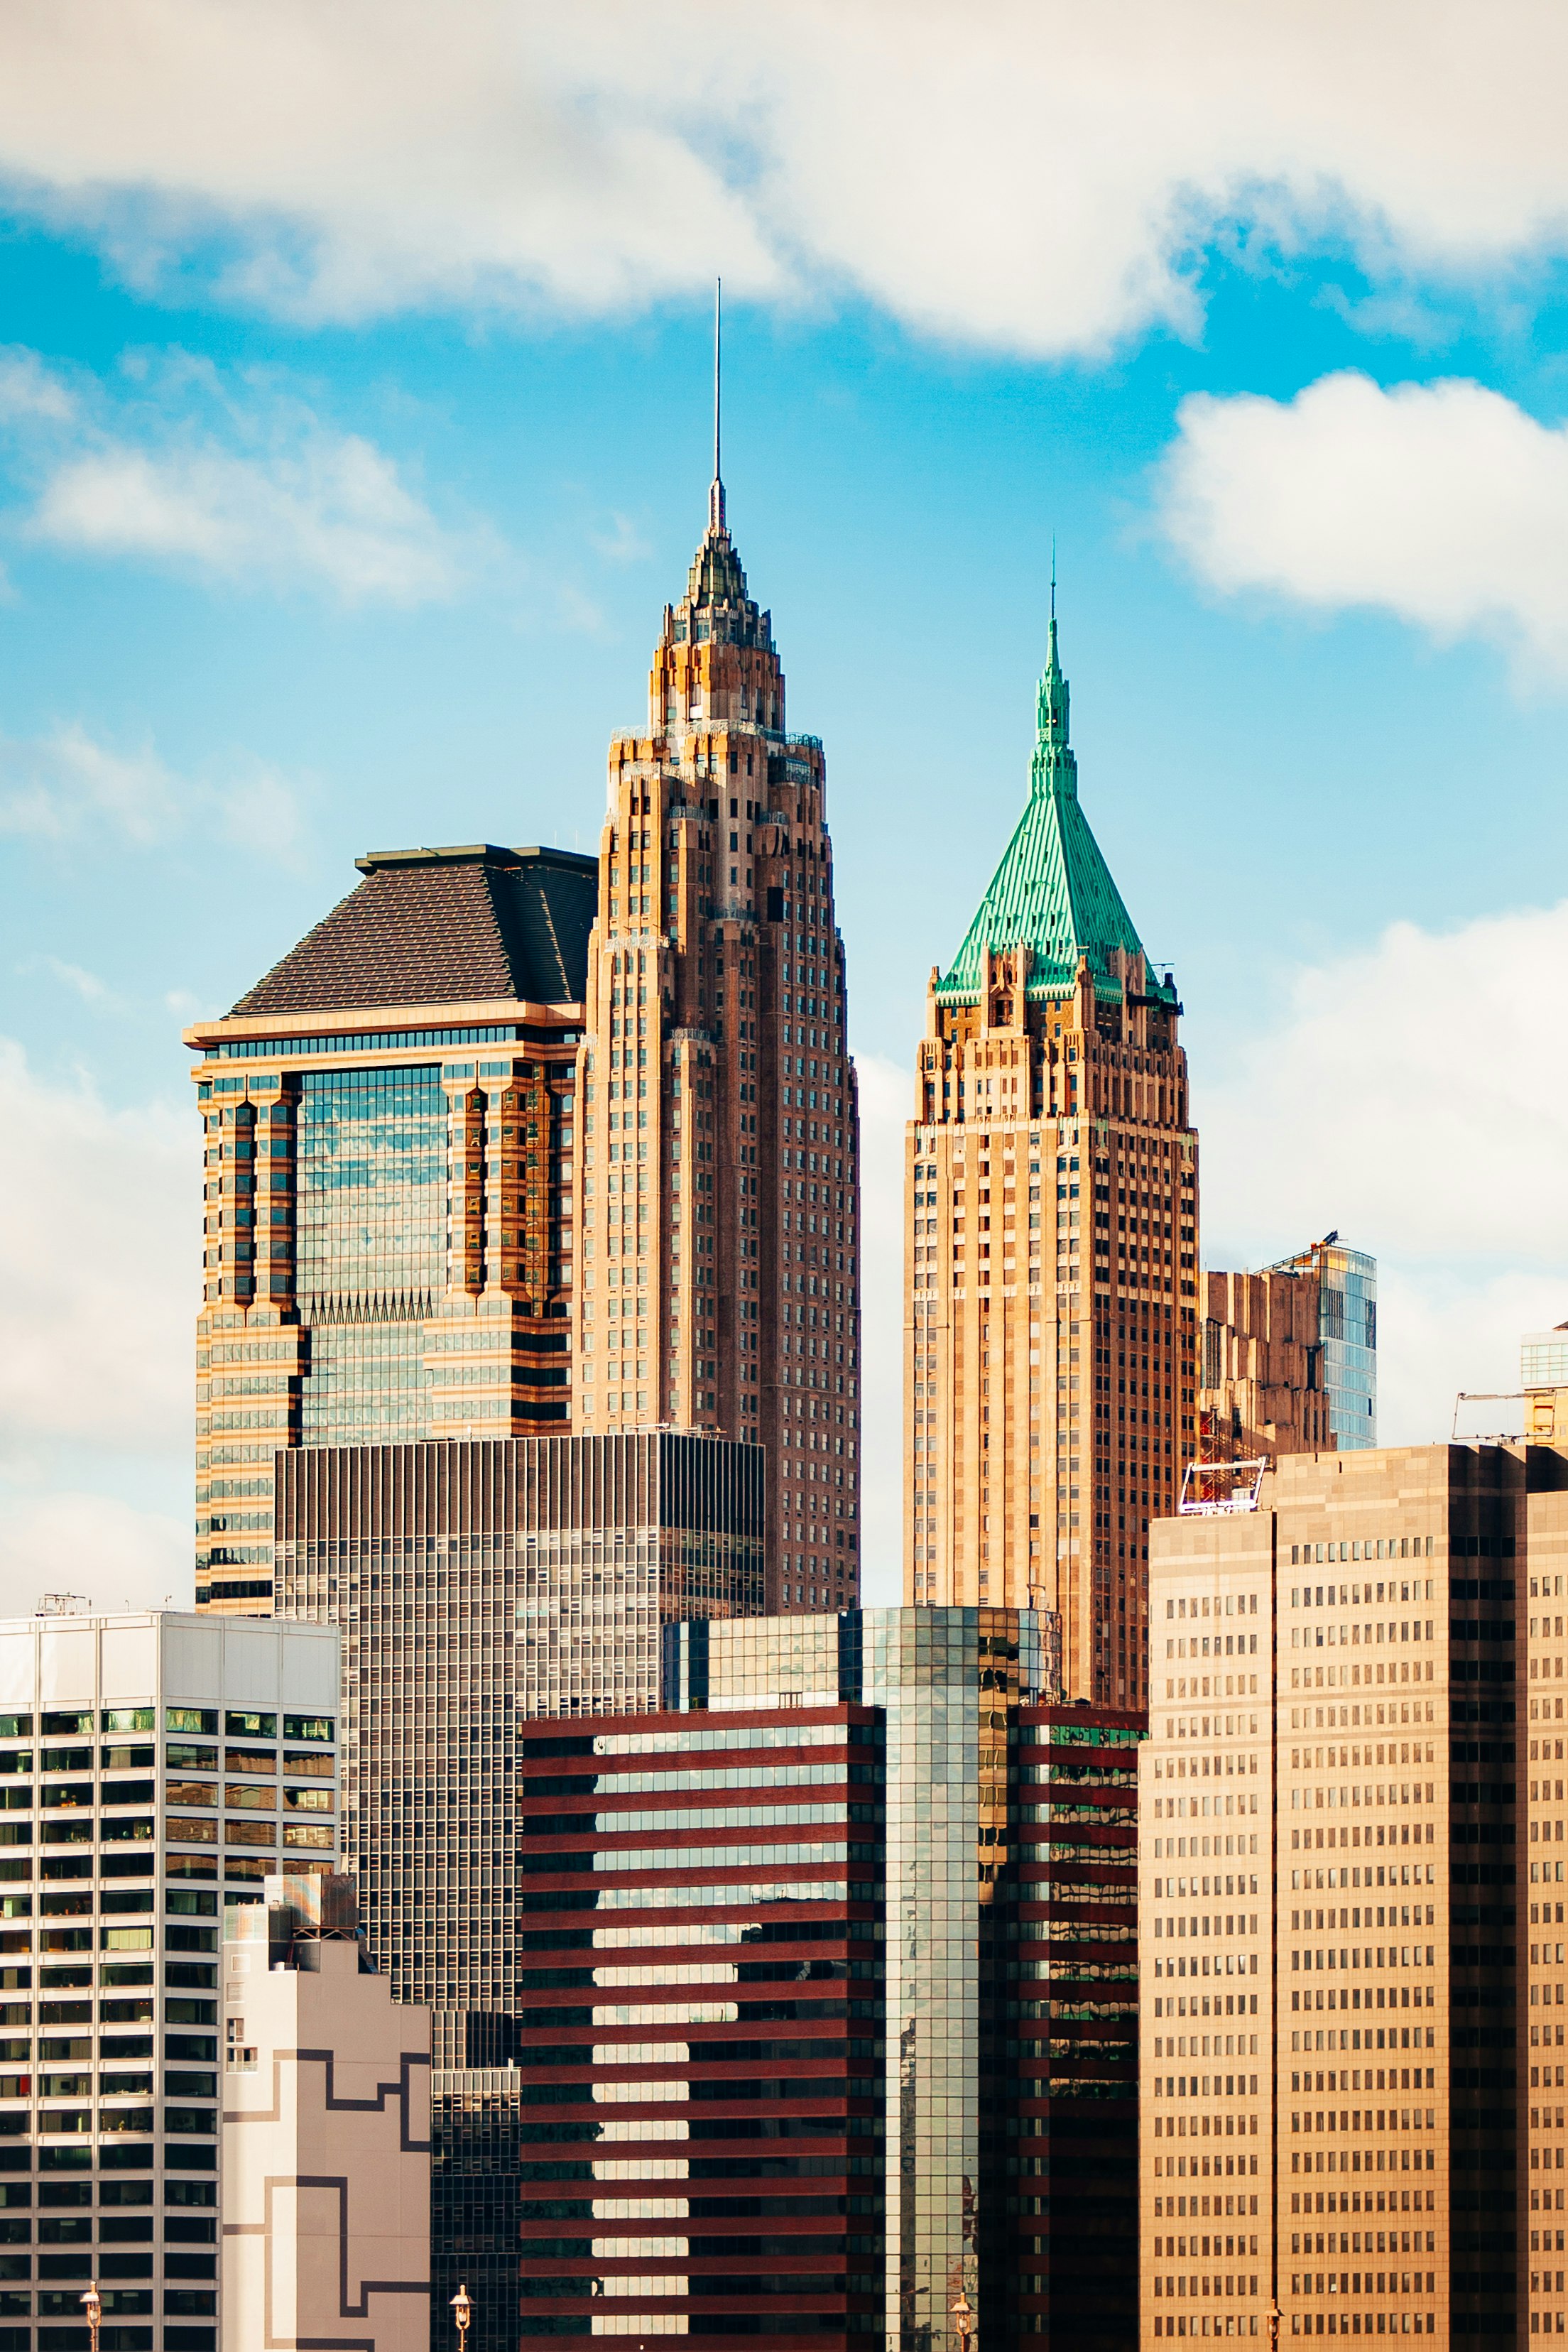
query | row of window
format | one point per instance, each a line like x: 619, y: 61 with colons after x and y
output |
x: 1361, y: 2283
x: 1167, y: 2250
x: 237, y: 1723
x: 178, y: 1753
x: 1390, y: 1547
x: 1205, y: 2086
x: 78, y: 2085
x: 1357, y: 1635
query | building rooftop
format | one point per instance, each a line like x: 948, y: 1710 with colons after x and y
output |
x: 444, y: 926
x: 1053, y: 890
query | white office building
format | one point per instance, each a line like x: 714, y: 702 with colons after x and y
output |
x: 153, y: 1765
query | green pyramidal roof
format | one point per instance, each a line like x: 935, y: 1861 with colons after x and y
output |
x: 1053, y: 890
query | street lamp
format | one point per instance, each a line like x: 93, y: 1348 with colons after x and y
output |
x: 964, y: 2321
x: 92, y: 2303
x: 463, y: 2311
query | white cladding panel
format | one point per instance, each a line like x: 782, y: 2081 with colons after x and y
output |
x: 128, y: 1662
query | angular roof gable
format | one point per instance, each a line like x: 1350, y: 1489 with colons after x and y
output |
x: 444, y: 927
x: 1053, y: 891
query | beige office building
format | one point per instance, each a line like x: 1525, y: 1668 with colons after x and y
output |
x: 1359, y: 1672
x: 326, y: 2134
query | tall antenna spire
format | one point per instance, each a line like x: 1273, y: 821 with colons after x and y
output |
x: 1053, y: 575
x: 716, y: 494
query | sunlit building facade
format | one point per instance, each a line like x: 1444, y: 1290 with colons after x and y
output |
x: 717, y: 1192
x: 1051, y: 1249
x: 1354, y: 1957
x: 388, y: 1248
x: 1347, y: 1334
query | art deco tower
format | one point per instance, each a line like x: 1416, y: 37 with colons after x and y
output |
x: 718, y: 1178
x: 1051, y: 1249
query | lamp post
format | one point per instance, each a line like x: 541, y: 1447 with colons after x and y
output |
x: 463, y: 2313
x: 964, y: 2321
x: 92, y: 2303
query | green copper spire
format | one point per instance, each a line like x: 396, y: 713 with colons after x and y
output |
x: 1053, y: 890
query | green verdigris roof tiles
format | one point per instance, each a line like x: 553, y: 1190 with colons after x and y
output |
x: 1053, y: 890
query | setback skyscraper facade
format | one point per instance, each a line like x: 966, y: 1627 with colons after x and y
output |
x: 388, y: 1238
x: 1051, y: 1249
x: 717, y: 1190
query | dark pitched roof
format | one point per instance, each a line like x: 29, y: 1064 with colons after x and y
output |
x: 444, y: 926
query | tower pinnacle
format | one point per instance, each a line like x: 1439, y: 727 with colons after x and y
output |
x: 1051, y: 754
x: 716, y: 491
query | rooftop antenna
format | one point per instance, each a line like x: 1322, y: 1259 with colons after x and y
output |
x: 716, y: 495
x: 1053, y: 575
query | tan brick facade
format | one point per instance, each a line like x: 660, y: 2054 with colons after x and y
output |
x: 1402, y: 1618
x: 719, y: 1183
x: 1260, y: 1389
x: 1050, y: 1252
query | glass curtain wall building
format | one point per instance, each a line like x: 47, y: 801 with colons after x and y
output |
x: 1010, y: 1967
x: 699, y: 2110
x: 1347, y: 1331
x: 479, y: 1583
x: 388, y: 1232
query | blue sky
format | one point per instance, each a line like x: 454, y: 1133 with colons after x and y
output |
x: 354, y: 430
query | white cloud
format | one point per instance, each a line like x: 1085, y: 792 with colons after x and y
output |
x: 106, y: 1551
x: 58, y: 785
x: 332, y: 514
x: 1405, y: 1098
x: 1443, y: 503
x: 100, y: 1231
x: 82, y: 982
x: 1028, y: 173
x: 64, y: 785
x: 225, y: 480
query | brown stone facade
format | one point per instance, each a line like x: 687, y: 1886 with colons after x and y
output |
x: 1261, y: 1388
x: 717, y: 1186
x: 1051, y: 1224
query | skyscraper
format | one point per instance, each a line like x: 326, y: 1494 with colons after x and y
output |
x: 1000, y: 1874
x: 1051, y: 1248
x: 717, y: 1192
x: 1347, y: 1334
x: 1342, y: 1828
x: 1261, y: 1376
x: 388, y: 1119
x: 156, y: 1767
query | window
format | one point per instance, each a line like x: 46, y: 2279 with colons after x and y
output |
x: 320, y: 1728
x: 240, y: 1726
